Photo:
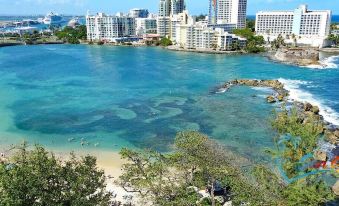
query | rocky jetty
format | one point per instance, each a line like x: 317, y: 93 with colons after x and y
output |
x: 276, y: 85
x: 298, y: 56
x: 306, y: 110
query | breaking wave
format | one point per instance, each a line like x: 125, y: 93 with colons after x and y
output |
x: 326, y: 63
x: 298, y: 94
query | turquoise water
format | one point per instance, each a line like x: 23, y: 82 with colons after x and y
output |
x: 112, y: 97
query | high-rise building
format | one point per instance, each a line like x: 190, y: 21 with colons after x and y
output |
x: 177, y: 6
x: 164, y: 8
x: 167, y: 16
x: 311, y: 27
x: 103, y: 27
x: 138, y: 13
x: 228, y: 12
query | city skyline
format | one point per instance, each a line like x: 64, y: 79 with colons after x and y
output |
x: 195, y: 7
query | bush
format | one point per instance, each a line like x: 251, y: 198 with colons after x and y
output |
x: 254, y: 43
x: 36, y: 177
x: 165, y: 42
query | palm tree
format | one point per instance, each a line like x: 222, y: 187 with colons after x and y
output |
x: 294, y: 37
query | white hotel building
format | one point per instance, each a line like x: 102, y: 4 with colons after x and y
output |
x: 310, y: 27
x: 102, y: 27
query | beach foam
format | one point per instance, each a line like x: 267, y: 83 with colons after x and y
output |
x: 297, y: 94
x: 326, y: 63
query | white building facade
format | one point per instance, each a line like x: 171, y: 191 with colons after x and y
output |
x: 201, y: 37
x: 146, y: 26
x: 169, y: 15
x: 103, y: 27
x: 228, y: 12
x: 311, y: 27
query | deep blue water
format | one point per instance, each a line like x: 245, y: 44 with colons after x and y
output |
x: 113, y: 97
x: 335, y: 19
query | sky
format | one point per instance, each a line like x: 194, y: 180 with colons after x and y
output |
x: 80, y: 7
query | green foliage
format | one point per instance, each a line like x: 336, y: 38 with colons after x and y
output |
x: 304, y: 130
x: 36, y: 177
x: 334, y: 38
x: 308, y: 192
x: 246, y: 33
x: 165, y: 42
x: 72, y: 35
x: 254, y: 43
x: 197, y: 162
x: 333, y: 26
x: 150, y: 174
x: 304, y: 133
x: 201, y: 17
x: 278, y: 42
x: 250, y: 24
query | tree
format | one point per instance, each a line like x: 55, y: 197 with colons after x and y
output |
x: 201, y: 17
x: 36, y: 177
x: 294, y: 38
x: 150, y: 174
x: 254, y: 43
x: 308, y: 191
x: 299, y: 133
x: 203, y: 155
x: 197, y: 162
x: 72, y: 35
x: 334, y: 39
x: 278, y: 42
x: 250, y: 24
x: 165, y: 42
x: 303, y: 134
x: 235, y: 45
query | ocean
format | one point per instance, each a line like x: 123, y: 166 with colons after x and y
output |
x: 114, y: 97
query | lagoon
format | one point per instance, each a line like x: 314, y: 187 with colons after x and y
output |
x: 105, y: 98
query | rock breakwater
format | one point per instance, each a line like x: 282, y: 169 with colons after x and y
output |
x: 298, y: 56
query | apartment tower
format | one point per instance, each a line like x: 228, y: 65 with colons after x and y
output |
x: 228, y: 12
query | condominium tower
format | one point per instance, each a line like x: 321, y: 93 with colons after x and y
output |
x: 166, y: 21
x: 228, y: 12
x: 102, y: 27
x: 171, y: 7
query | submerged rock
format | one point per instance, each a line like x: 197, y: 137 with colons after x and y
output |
x: 271, y: 99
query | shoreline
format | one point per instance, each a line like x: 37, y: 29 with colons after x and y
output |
x: 203, y: 51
